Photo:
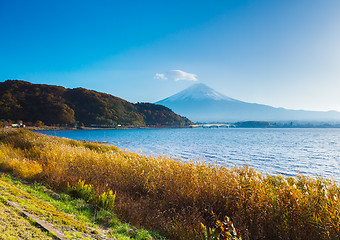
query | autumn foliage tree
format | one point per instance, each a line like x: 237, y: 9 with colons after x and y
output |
x: 57, y: 105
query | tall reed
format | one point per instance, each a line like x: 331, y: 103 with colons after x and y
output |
x: 176, y: 197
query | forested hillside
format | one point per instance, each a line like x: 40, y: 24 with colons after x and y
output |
x: 21, y: 100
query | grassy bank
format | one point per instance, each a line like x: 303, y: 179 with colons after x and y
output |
x: 174, y: 197
x: 73, y: 218
x: 13, y: 224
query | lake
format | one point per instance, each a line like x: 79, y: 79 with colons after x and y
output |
x: 310, y: 151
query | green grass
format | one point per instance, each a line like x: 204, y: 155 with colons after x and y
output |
x: 14, y: 226
x: 33, y: 197
x: 39, y: 208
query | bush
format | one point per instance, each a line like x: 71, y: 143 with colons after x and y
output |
x: 223, y: 230
x: 82, y: 190
x: 107, y: 200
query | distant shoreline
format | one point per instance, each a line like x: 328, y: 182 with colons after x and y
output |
x: 48, y: 128
x: 199, y: 127
x: 242, y: 124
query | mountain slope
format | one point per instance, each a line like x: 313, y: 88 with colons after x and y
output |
x: 21, y: 100
x: 202, y: 103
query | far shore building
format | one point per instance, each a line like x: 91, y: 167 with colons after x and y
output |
x: 18, y: 125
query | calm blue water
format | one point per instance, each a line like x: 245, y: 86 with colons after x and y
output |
x: 273, y: 151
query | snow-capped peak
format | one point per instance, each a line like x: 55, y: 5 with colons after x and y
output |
x: 198, y: 91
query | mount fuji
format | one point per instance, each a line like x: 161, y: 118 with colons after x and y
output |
x: 201, y: 103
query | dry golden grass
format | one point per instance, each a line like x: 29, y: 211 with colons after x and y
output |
x: 175, y: 197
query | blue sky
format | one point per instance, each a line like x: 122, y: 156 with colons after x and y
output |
x: 280, y: 53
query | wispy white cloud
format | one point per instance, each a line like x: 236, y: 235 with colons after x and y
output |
x: 160, y: 76
x: 179, y: 75
x: 176, y: 75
